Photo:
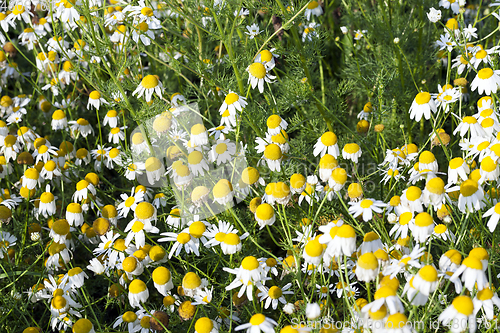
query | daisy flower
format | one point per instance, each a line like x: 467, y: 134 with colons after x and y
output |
x: 470, y: 125
x: 258, y: 323
x: 273, y: 156
x: 486, y: 81
x: 253, y: 30
x: 150, y: 84
x: 111, y: 119
x: 181, y: 240
x: 366, y: 207
x: 129, y: 202
x: 485, y: 299
x: 351, y: 151
x: 233, y: 102
x: 274, y: 295
x: 325, y: 290
x: 422, y: 106
x: 313, y: 8
x: 472, y: 273
x: 327, y: 143
x: 459, y: 314
x: 248, y: 273
x: 258, y: 74
x: 222, y: 152
x: 400, y: 265
x: 95, y: 100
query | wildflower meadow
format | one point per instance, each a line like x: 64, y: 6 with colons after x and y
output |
x: 251, y: 166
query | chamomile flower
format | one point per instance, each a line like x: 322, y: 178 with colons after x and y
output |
x: 273, y: 156
x: 233, y: 102
x: 181, y: 240
x: 367, y: 267
x: 258, y: 74
x: 422, y: 106
x: 137, y: 293
x: 485, y: 299
x: 47, y: 206
x: 469, y: 125
x: 150, y: 84
x: 96, y: 100
x: 258, y: 323
x: 351, y: 151
x: 222, y: 152
x: 274, y: 295
x: 253, y: 30
x: 486, y: 81
x: 366, y: 207
x: 265, y: 215
x: 327, y: 143
x: 111, y: 119
x: 473, y: 275
x: 459, y: 314
x: 129, y: 202
x: 313, y: 8
x: 81, y: 126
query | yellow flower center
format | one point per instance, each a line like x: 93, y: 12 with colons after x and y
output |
x: 468, y: 188
x: 485, y: 73
x: 231, y: 98
x: 257, y: 70
x: 423, y: 98
x: 464, y: 305
x: 149, y: 82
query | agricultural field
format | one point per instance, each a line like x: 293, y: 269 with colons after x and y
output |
x: 251, y: 166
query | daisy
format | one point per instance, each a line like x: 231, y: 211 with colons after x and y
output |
x: 96, y: 100
x: 182, y: 240
x: 351, y: 151
x: 471, y: 196
x: 248, y: 273
x: 481, y: 55
x: 473, y: 274
x: 313, y: 8
x: 233, y: 102
x: 457, y: 169
x: 82, y: 126
x: 325, y: 290
x: 222, y: 151
x: 411, y: 259
x: 44, y: 153
x: 138, y: 293
x: 253, y: 30
x: 385, y: 295
x: 258, y: 323
x: 367, y: 267
x: 47, y: 206
x: 274, y: 295
x: 137, y: 229
x: 257, y: 74
x: 422, y: 105
x: 129, y: 202
x: 7, y: 240
x: 446, y: 42
x: 344, y: 242
x: 366, y: 207
x: 405, y: 223
x: 454, y: 5
x: 470, y: 125
x: 310, y: 32
x: 267, y: 58
x: 111, y: 119
x: 273, y: 156
x: 150, y: 84
x: 459, y: 314
x: 441, y: 231
x: 486, y: 81
x: 486, y: 299
x: 371, y: 243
